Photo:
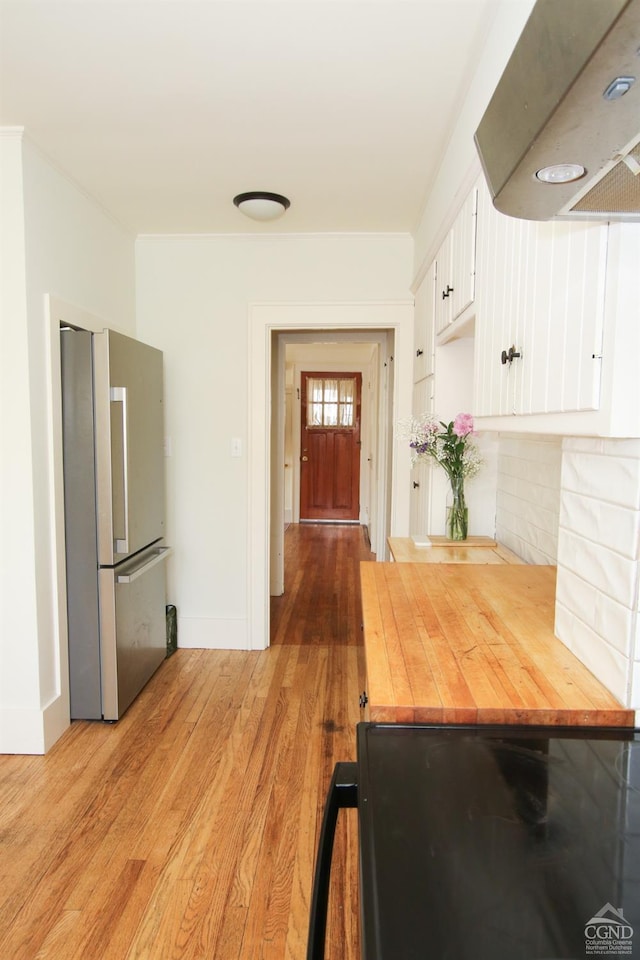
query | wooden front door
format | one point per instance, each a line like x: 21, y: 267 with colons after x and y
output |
x: 330, y: 446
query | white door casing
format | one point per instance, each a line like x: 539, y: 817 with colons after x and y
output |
x: 265, y: 319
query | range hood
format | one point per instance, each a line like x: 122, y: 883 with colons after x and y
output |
x: 569, y: 95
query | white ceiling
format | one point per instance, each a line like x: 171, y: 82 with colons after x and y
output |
x: 163, y: 110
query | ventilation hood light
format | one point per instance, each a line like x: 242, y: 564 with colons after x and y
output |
x: 561, y: 173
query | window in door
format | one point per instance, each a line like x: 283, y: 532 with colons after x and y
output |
x: 331, y: 401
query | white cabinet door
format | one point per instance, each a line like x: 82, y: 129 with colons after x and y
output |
x: 499, y: 308
x: 463, y: 256
x: 456, y: 266
x: 424, y: 326
x: 420, y: 492
x: 443, y: 302
x: 562, y: 345
x: 541, y: 293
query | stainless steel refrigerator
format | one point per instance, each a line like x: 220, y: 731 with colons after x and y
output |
x: 112, y: 409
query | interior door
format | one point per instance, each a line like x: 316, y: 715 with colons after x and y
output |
x: 330, y: 446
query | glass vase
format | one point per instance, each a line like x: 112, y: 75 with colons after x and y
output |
x: 457, y: 512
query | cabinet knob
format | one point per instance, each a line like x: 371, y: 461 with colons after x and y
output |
x: 509, y: 356
x: 415, y: 484
x: 419, y: 353
x: 364, y: 699
x: 445, y: 293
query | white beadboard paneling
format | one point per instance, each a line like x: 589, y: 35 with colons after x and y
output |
x: 604, y: 615
x: 540, y: 289
x: 610, y: 666
x: 615, y: 479
x: 602, y: 568
x: 608, y: 524
x: 571, y: 262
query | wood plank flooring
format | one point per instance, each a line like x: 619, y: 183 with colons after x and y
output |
x: 188, y: 829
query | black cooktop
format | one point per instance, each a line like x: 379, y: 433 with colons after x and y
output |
x: 499, y: 843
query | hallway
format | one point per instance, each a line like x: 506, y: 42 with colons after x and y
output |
x: 321, y: 602
x: 187, y: 830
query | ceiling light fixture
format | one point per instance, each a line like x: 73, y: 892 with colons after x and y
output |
x: 561, y: 173
x: 260, y: 205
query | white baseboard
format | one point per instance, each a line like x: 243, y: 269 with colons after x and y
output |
x: 206, y: 633
x: 25, y: 731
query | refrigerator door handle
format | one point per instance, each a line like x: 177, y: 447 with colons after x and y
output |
x: 119, y: 395
x: 161, y: 554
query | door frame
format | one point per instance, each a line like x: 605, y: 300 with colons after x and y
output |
x: 393, y: 322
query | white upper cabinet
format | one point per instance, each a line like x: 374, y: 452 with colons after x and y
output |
x: 424, y: 326
x: 540, y: 311
x: 456, y: 266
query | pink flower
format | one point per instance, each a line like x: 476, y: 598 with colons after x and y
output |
x: 463, y: 424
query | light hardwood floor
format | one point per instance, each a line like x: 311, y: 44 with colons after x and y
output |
x: 188, y: 829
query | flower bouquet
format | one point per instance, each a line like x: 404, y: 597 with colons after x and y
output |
x: 452, y: 446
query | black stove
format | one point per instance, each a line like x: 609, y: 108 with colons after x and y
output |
x: 501, y: 843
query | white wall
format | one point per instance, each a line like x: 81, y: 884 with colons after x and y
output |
x: 55, y: 241
x: 193, y: 302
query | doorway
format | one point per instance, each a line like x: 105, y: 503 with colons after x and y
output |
x: 330, y: 446
x: 390, y: 324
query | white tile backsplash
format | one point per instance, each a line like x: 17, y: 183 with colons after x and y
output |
x: 528, y: 495
x: 605, y: 615
x: 598, y: 583
x: 575, y: 501
x: 612, y: 479
x: 604, y: 569
x: 608, y: 524
x: 609, y: 665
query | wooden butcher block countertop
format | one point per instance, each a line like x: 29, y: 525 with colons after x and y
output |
x: 441, y: 550
x: 473, y: 643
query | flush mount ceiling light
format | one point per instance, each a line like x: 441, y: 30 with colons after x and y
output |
x: 561, y: 173
x: 260, y: 205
